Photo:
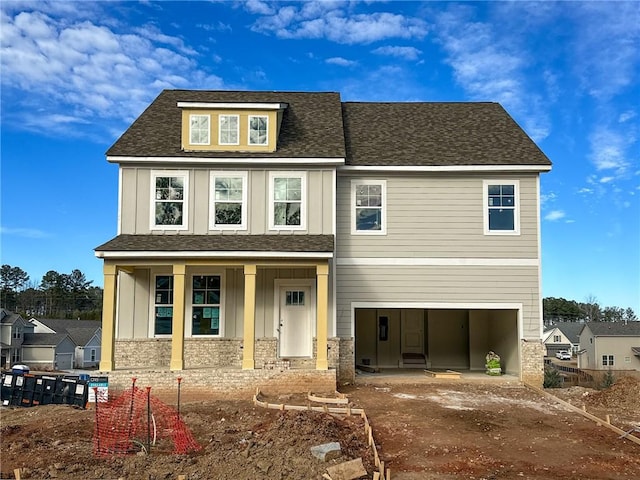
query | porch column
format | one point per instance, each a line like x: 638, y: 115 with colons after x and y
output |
x: 108, y: 317
x: 322, y: 309
x: 249, y: 333
x: 177, y: 325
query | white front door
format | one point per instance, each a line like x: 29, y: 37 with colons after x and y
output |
x: 295, y: 321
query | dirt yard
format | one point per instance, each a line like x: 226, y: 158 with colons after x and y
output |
x: 425, y: 429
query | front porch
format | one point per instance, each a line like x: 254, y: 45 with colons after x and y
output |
x: 251, y: 302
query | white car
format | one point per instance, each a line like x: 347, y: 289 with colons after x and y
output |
x: 563, y: 355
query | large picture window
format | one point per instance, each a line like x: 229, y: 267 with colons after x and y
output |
x: 368, y: 200
x: 163, y: 305
x: 205, y: 318
x: 287, y: 206
x: 199, y: 129
x: 229, y: 201
x: 258, y: 129
x: 501, y: 210
x: 169, y: 193
x: 229, y: 133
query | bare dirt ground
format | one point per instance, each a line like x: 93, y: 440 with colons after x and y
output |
x: 425, y: 429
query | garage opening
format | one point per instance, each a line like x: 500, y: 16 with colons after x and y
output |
x: 437, y: 339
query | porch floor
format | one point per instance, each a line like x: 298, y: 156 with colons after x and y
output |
x: 414, y: 375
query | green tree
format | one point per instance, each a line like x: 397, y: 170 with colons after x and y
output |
x: 630, y: 315
x: 612, y: 314
x: 12, y: 280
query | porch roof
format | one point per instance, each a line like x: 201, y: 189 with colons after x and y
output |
x: 219, y: 243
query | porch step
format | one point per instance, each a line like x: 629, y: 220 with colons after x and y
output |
x: 410, y: 360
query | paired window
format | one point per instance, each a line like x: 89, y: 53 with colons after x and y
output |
x: 17, y: 333
x: 15, y: 356
x: 368, y: 203
x: 557, y: 338
x: 501, y: 210
x: 258, y: 129
x: 199, y: 129
x: 205, y: 309
x: 93, y: 354
x: 607, y: 360
x: 287, y: 206
x: 229, y: 204
x: 169, y: 192
x: 229, y: 130
x: 163, y: 305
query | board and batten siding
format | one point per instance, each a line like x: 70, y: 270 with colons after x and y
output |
x: 435, y: 250
x: 135, y: 307
x: 431, y: 215
x: 136, y: 201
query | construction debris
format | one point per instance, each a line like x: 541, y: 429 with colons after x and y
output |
x: 347, y: 470
x: 326, y: 451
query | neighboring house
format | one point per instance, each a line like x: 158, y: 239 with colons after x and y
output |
x: 262, y: 228
x: 610, y: 346
x: 562, y: 336
x: 12, y: 330
x: 48, y: 351
x: 86, y: 334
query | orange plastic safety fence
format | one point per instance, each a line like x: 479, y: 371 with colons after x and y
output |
x: 135, y: 421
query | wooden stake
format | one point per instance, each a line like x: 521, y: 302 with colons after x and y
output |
x: 376, y: 476
x: 17, y: 473
x: 608, y: 418
x: 388, y: 474
x: 182, y: 477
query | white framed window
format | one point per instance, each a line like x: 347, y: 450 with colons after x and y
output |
x: 368, y: 207
x: 163, y: 305
x: 627, y: 359
x: 15, y: 356
x: 169, y: 193
x: 557, y: 338
x: 228, y: 201
x: 229, y: 130
x: 17, y: 333
x: 607, y: 361
x: 258, y: 129
x: 501, y: 209
x: 287, y: 200
x: 92, y: 354
x: 199, y: 128
x: 206, y: 306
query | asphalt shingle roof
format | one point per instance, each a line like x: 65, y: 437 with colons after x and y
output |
x: 571, y: 330
x: 219, y: 243
x: 311, y: 125
x: 614, y: 329
x: 435, y: 134
x: 43, y: 339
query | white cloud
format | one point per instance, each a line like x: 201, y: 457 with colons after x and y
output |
x: 606, y: 45
x: 608, y: 150
x: 607, y: 179
x: 547, y: 197
x: 554, y: 215
x: 343, y: 62
x: 490, y: 66
x: 24, y: 232
x: 626, y: 116
x: 325, y: 20
x: 408, y: 53
x: 92, y: 72
x: 258, y: 7
x: 586, y: 191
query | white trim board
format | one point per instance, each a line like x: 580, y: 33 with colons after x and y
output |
x: 234, y: 105
x: 227, y: 160
x: 201, y: 254
x: 436, y: 261
x: 446, y: 168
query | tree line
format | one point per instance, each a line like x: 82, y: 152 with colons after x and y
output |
x: 57, y: 295
x: 561, y: 310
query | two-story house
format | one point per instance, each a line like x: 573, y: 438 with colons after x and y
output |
x: 291, y: 229
x: 12, y: 330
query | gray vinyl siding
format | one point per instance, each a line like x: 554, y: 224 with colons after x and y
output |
x: 136, y: 201
x: 438, y: 215
x: 439, y: 284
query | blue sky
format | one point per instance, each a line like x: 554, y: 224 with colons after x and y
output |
x: 76, y: 74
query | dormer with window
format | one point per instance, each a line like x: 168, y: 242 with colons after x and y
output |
x: 231, y: 127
